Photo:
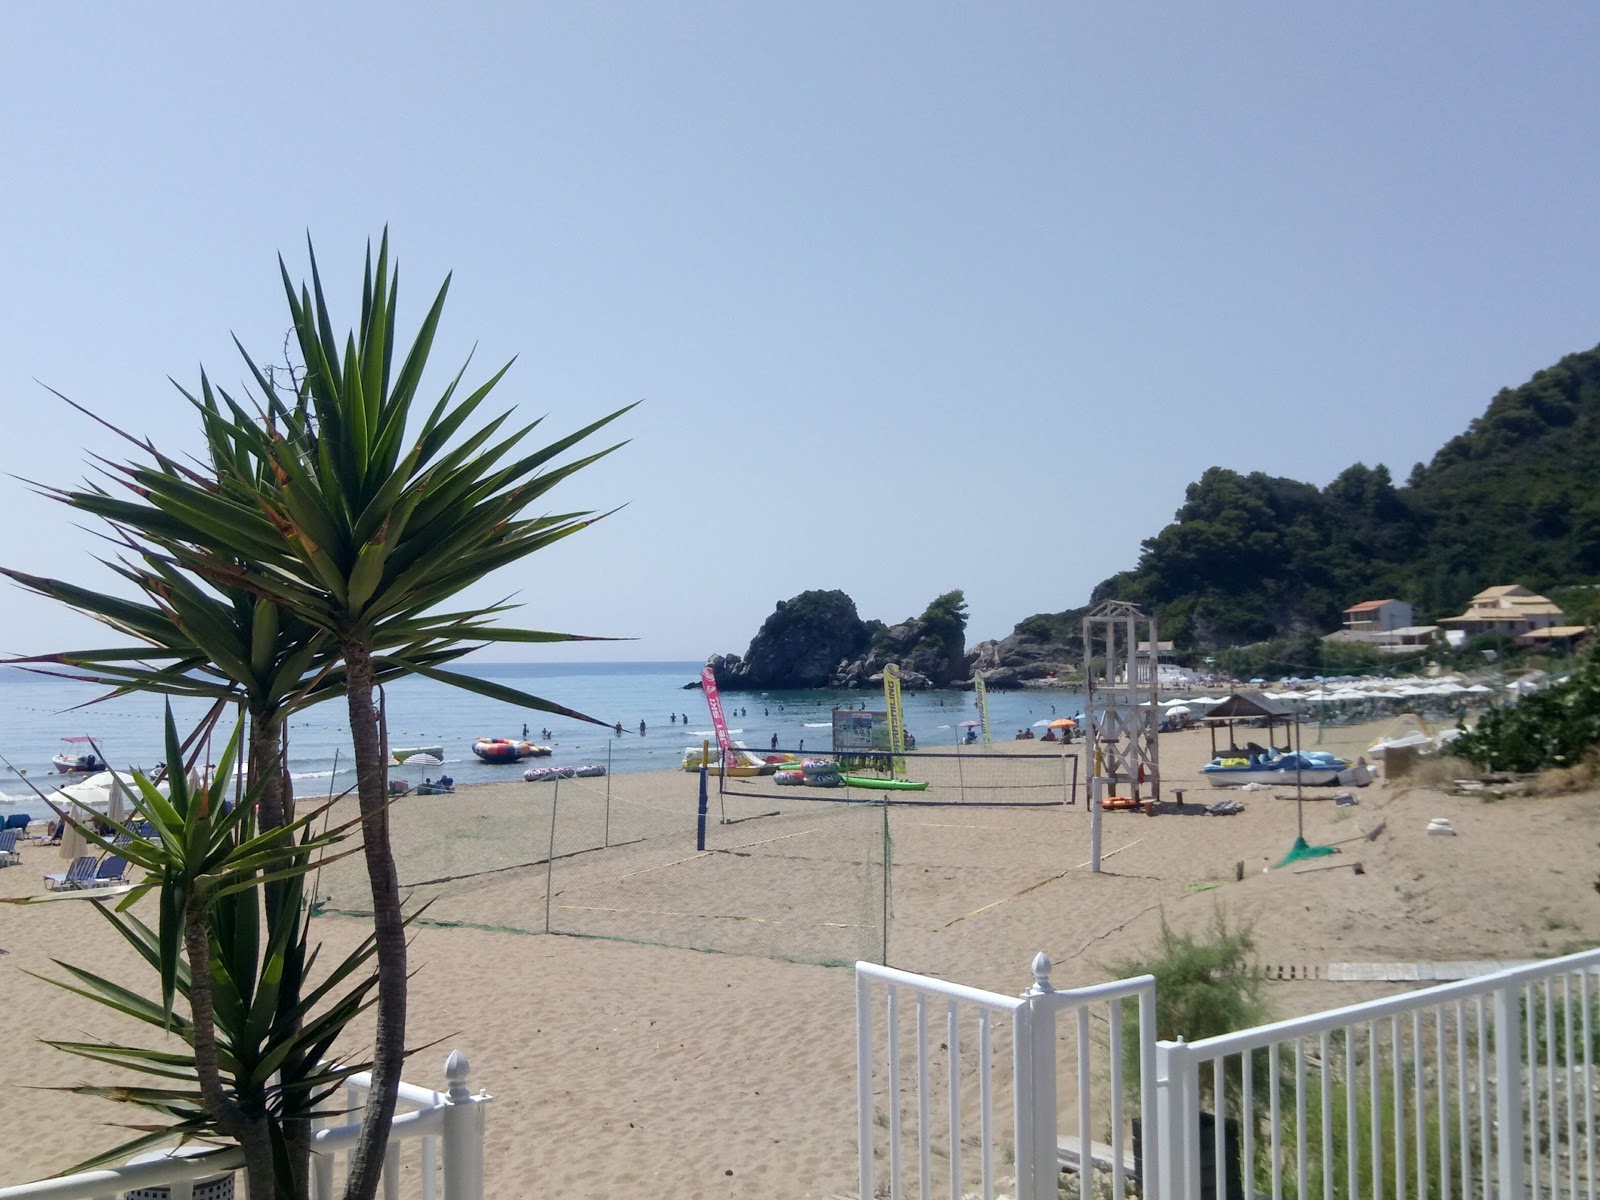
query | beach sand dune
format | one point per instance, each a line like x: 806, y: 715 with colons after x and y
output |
x: 621, y: 1067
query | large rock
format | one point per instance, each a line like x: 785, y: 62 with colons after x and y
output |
x: 803, y: 644
x: 1019, y: 659
x: 925, y: 662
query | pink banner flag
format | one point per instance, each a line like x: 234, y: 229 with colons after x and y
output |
x: 708, y: 684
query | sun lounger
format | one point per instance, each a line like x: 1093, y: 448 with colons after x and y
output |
x: 9, y: 853
x: 77, y: 875
x: 112, y: 870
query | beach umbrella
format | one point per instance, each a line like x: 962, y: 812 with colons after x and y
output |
x: 423, y: 760
x: 1063, y: 723
x: 1178, y: 710
x: 1041, y: 724
x: 969, y: 724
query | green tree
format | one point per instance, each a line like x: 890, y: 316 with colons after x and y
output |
x: 340, y: 516
x: 363, y: 528
x: 255, y: 1067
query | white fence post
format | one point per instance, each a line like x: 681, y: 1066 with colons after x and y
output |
x: 463, y: 1134
x: 1151, y: 1135
x: 1178, y: 1119
x: 864, y: 1085
x: 1042, y: 1170
x: 1508, y: 1090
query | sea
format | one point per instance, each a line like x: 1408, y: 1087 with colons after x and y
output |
x: 660, y: 719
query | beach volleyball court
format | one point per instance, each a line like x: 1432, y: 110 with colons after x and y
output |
x: 798, y: 878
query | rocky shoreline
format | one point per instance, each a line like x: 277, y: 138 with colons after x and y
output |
x: 818, y: 640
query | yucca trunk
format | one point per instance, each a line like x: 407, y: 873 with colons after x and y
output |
x: 275, y: 806
x: 250, y: 1132
x: 387, y: 924
x: 275, y: 809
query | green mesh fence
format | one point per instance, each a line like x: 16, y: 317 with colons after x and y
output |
x: 795, y: 878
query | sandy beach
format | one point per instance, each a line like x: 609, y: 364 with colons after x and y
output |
x: 621, y: 1068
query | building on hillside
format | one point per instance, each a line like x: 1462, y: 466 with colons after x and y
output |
x: 1506, y: 609
x: 1566, y: 637
x: 1377, y: 616
x: 1408, y: 639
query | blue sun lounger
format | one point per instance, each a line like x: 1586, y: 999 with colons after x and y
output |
x: 79, y: 874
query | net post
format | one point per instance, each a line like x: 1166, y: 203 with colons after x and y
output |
x: 550, y: 858
x: 700, y: 827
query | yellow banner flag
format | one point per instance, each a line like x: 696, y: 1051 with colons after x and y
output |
x: 897, y: 728
x: 983, y: 707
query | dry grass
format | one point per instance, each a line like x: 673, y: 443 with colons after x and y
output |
x: 1440, y: 772
x: 1561, y: 781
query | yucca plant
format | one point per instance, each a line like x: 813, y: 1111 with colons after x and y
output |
x: 252, y: 1062
x: 326, y: 510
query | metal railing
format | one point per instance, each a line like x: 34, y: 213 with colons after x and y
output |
x: 942, y: 1099
x: 448, y: 1127
x: 1482, y: 1088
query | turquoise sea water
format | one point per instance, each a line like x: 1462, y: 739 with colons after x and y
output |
x: 36, y: 712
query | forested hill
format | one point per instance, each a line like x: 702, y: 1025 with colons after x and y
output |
x: 1514, y: 499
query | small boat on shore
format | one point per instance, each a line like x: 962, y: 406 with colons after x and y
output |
x: 745, y: 765
x: 1309, y: 768
x: 78, y: 761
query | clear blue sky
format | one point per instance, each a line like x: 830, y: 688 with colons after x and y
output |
x: 918, y: 295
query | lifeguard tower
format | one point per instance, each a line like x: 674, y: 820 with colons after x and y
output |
x: 1120, y: 713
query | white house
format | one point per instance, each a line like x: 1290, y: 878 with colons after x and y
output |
x: 1377, y: 616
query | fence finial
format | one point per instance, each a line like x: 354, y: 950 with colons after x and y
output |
x: 1041, y: 972
x: 456, y: 1070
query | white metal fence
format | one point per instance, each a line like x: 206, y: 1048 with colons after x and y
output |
x: 958, y: 1041
x: 1483, y: 1088
x: 1477, y: 1090
x: 444, y: 1128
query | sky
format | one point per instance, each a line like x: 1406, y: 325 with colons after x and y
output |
x: 917, y: 296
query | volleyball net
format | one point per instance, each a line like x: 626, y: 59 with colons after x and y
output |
x: 619, y: 857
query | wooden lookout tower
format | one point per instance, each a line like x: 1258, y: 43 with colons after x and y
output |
x: 1120, y: 711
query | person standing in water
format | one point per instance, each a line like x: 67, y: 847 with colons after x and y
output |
x: 641, y: 726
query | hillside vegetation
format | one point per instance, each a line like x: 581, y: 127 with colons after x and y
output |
x: 1253, y: 557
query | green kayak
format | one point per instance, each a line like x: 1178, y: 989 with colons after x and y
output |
x: 887, y: 785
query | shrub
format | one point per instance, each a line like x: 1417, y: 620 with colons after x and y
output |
x: 1549, y: 728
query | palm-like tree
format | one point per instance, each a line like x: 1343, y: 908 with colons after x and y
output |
x: 255, y: 1068
x: 333, y: 531
x: 366, y: 529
